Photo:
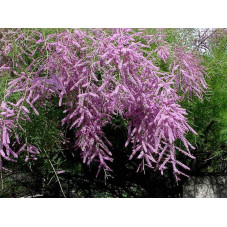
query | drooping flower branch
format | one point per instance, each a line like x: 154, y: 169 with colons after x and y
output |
x: 98, y: 74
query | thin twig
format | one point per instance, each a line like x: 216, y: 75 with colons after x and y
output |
x: 55, y: 174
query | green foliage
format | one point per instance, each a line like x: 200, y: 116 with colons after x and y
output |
x: 209, y: 116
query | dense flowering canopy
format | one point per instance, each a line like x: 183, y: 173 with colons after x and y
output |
x: 99, y: 74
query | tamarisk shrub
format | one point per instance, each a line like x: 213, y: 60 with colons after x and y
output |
x: 99, y: 74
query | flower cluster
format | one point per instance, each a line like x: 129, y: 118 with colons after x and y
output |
x: 98, y: 74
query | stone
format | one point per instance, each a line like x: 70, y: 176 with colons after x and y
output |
x: 206, y: 187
